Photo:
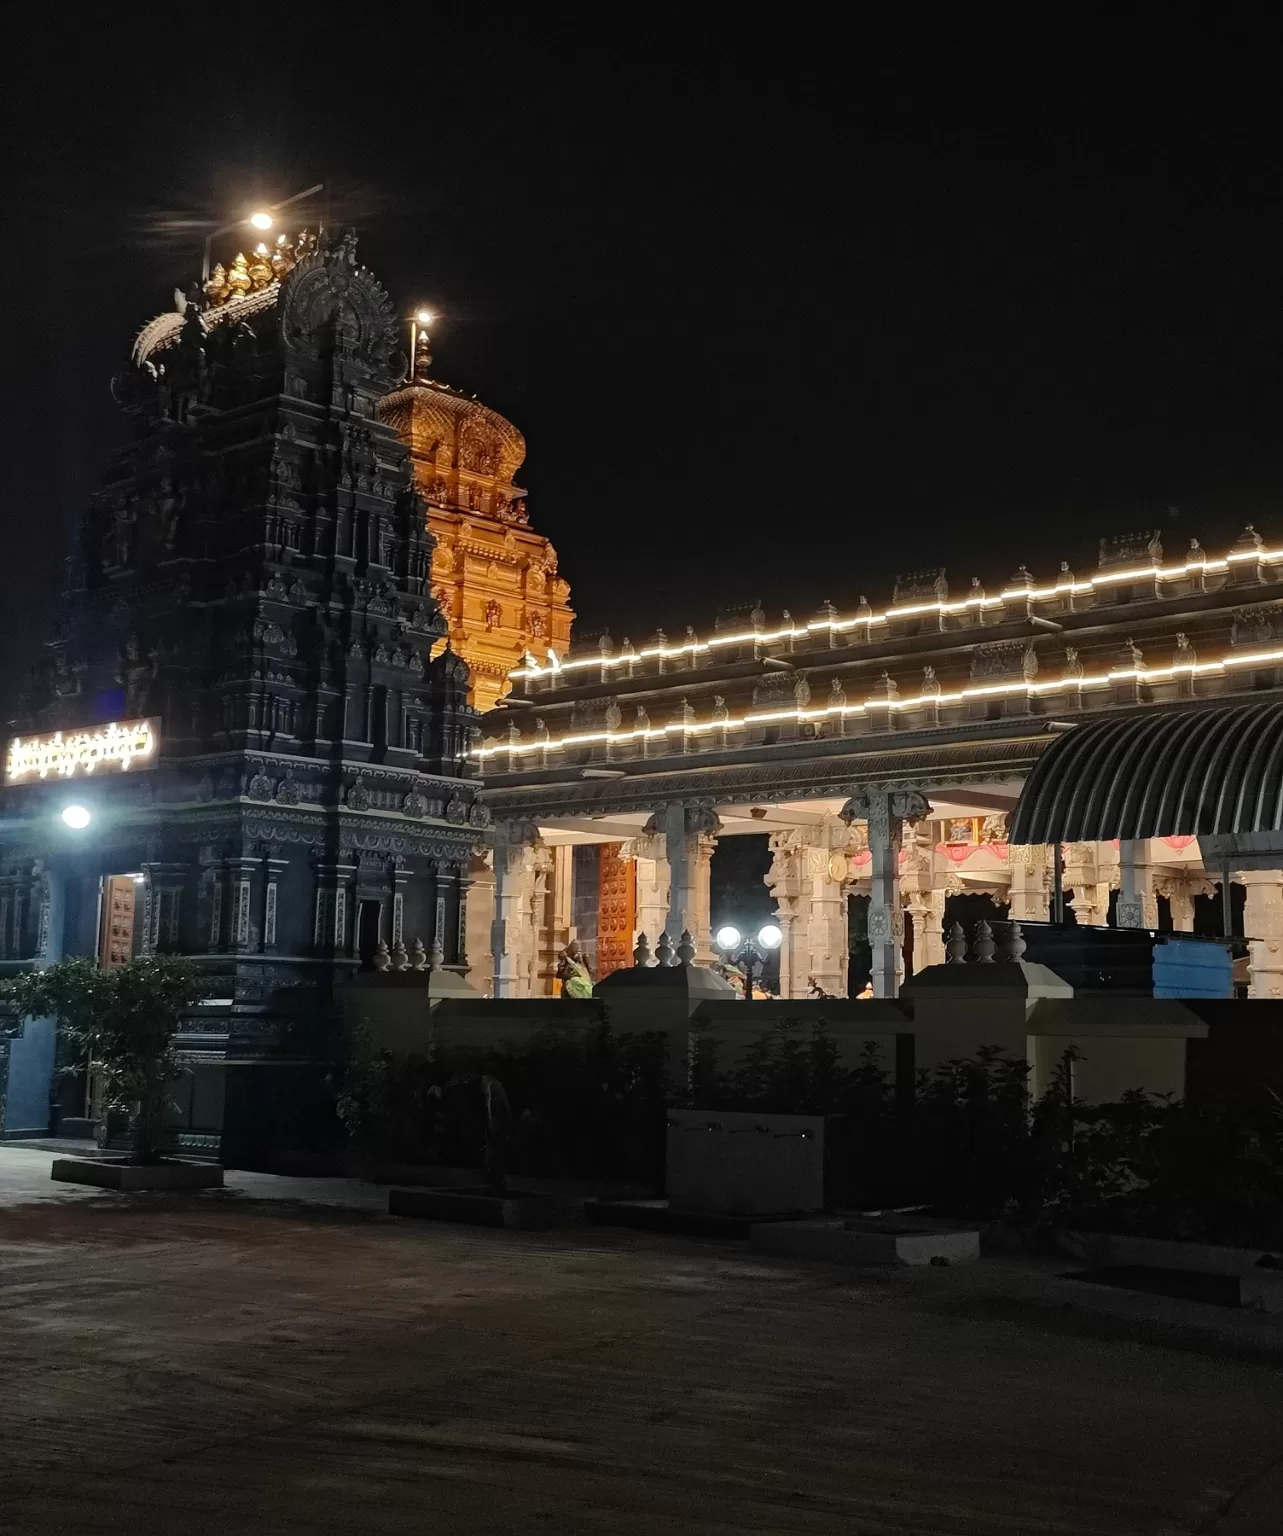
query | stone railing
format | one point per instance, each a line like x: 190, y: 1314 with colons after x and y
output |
x: 665, y: 952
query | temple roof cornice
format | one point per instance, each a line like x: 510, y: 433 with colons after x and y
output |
x: 1095, y: 624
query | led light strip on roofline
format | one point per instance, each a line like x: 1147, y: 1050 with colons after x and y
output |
x: 988, y: 690
x: 904, y: 610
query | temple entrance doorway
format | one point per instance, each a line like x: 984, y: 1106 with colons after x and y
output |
x: 369, y: 916
x: 119, y: 919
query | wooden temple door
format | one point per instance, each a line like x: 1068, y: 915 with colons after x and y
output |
x: 116, y: 940
x: 616, y: 910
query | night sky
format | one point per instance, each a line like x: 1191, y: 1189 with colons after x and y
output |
x: 781, y: 311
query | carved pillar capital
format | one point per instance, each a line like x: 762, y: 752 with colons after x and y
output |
x: 880, y: 807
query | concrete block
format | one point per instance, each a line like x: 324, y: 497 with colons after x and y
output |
x: 1260, y: 1283
x: 854, y: 1242
x: 110, y: 1173
x: 477, y: 1207
x: 744, y: 1164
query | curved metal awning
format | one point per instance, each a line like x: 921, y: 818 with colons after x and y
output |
x: 1163, y: 774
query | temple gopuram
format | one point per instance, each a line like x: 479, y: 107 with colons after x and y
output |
x: 256, y: 742
x: 494, y: 578
x: 882, y: 753
x: 252, y: 741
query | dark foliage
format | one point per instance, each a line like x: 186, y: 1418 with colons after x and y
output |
x: 123, y: 1021
x: 585, y: 1106
x: 970, y: 1141
x: 974, y: 1143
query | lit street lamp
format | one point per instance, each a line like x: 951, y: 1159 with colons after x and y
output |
x: 420, y: 356
x: 261, y: 218
x: 745, y: 951
x: 76, y: 817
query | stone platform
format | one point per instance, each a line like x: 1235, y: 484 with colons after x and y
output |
x: 476, y: 1207
x: 116, y: 1173
x: 854, y: 1241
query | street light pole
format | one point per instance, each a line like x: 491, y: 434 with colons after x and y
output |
x: 266, y: 213
x: 749, y: 955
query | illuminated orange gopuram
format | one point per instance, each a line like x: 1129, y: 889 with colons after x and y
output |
x: 494, y: 576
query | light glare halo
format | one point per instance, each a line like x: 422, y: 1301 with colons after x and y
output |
x: 728, y: 936
x: 261, y: 220
x: 76, y: 817
x: 425, y: 317
x: 770, y: 936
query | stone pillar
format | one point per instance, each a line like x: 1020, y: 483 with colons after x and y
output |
x: 1089, y: 883
x: 553, y: 890
x: 1091, y: 904
x: 807, y: 879
x: 479, y: 919
x: 241, y: 927
x: 647, y: 854
x: 1263, y: 926
x: 885, y: 813
x: 53, y: 920
x: 1030, y: 883
x: 690, y: 835
x: 922, y: 893
x: 786, y: 883
x: 275, y: 868
x: 1137, y: 901
x: 332, y: 914
x: 828, y: 910
x: 1180, y: 898
x: 550, y: 918
x: 699, y: 913
x: 512, y: 935
x: 926, y: 913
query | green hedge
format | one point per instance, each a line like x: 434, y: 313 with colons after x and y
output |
x: 968, y: 1140
x: 583, y: 1106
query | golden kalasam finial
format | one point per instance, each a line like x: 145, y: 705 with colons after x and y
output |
x: 282, y: 256
x: 422, y: 355
x: 260, y: 266
x: 216, y: 288
x: 238, y: 278
x: 265, y: 265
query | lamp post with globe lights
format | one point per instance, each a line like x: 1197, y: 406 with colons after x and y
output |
x: 748, y: 952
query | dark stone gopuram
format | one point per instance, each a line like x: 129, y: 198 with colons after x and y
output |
x: 251, y: 578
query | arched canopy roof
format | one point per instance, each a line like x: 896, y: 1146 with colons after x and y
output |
x: 1162, y: 774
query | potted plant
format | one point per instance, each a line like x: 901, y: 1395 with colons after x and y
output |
x: 123, y: 1020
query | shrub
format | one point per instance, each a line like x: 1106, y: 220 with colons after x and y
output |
x: 588, y: 1106
x: 123, y: 1020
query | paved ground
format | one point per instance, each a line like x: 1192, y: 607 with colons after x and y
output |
x: 253, y: 1363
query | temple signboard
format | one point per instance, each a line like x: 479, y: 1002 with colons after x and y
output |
x: 121, y: 747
